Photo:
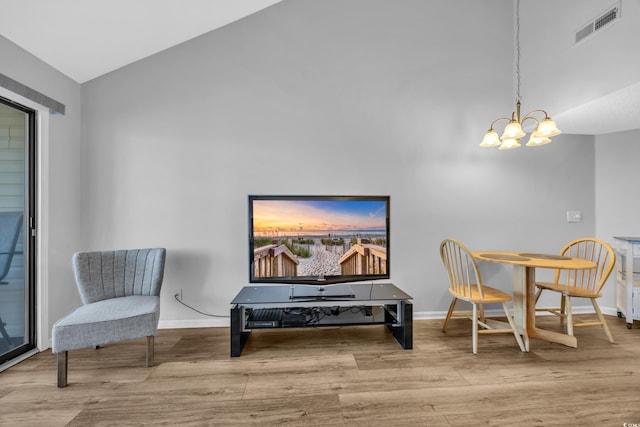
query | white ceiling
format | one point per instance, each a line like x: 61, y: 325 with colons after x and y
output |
x: 85, y: 39
x: 615, y: 112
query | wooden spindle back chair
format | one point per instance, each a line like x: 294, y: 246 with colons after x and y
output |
x: 465, y: 283
x: 581, y: 283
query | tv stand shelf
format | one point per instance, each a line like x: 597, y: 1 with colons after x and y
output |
x: 280, y: 306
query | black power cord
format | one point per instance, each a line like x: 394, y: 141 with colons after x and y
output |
x: 195, y: 309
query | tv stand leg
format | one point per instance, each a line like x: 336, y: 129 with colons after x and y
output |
x: 238, y: 335
x: 400, y: 324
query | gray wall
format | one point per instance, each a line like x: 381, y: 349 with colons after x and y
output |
x: 331, y: 97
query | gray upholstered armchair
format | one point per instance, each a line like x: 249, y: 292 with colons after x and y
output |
x: 120, y: 292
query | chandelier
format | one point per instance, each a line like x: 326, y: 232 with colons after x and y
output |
x: 513, y: 131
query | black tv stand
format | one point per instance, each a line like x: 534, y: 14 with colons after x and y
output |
x: 373, y: 303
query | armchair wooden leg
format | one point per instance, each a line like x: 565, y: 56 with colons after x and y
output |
x: 63, y: 363
x: 150, y: 355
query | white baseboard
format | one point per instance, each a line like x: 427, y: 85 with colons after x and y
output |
x: 435, y: 315
x: 420, y: 315
x: 194, y: 323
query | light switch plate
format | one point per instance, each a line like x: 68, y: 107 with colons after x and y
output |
x: 574, y: 216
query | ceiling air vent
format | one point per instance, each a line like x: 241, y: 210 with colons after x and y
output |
x: 603, y: 20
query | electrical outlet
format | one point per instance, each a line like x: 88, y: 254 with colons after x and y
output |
x: 574, y: 216
x: 177, y: 293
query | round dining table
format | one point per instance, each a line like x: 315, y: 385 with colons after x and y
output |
x: 524, y: 279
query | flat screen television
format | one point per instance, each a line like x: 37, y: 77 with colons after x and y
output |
x: 318, y: 240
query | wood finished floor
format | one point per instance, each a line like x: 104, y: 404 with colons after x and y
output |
x: 336, y: 376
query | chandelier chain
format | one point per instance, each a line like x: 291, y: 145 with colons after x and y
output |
x: 517, y: 21
x: 545, y: 128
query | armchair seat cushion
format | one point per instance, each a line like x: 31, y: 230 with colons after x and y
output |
x: 107, y: 321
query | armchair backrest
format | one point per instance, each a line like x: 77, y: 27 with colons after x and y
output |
x: 110, y: 274
x: 10, y: 228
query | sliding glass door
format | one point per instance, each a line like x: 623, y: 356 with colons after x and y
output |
x: 17, y: 231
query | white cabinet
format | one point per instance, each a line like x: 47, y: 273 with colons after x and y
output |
x: 628, y: 278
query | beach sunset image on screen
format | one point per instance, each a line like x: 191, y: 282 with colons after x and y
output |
x: 318, y: 237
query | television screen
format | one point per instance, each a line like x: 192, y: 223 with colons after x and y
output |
x: 318, y: 239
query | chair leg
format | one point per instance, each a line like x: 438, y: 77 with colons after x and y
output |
x: 475, y: 329
x: 63, y: 363
x: 449, y: 313
x: 150, y: 353
x: 569, y: 313
x: 602, y: 320
x: 538, y: 295
x: 563, y: 308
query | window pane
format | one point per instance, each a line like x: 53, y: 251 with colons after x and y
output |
x: 14, y: 292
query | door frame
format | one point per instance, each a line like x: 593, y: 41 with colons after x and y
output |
x: 40, y: 244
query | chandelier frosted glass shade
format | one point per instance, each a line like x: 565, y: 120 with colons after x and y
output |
x: 548, y: 128
x: 536, y: 139
x: 513, y: 130
x: 491, y: 139
x: 509, y: 143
